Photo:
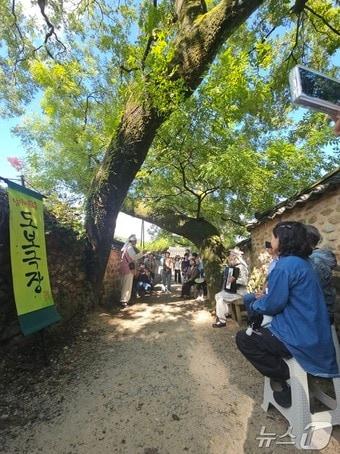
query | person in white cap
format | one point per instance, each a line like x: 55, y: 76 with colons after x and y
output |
x: 235, y: 279
x: 130, y: 255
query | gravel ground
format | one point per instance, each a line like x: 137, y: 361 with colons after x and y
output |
x: 154, y: 378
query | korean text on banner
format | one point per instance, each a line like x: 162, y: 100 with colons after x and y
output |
x: 31, y: 282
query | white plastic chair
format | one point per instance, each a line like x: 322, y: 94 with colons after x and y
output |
x: 298, y: 414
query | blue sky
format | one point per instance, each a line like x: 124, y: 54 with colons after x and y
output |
x: 10, y: 145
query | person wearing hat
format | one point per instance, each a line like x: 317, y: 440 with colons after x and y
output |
x: 235, y: 279
x: 130, y: 255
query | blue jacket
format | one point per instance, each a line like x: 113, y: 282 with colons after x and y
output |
x: 300, y: 318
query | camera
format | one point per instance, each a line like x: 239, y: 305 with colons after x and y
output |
x: 314, y: 90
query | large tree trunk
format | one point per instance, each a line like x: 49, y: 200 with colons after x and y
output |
x: 124, y: 157
x: 202, y: 233
x: 200, y: 36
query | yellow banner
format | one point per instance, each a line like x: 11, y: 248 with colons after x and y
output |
x: 31, y: 282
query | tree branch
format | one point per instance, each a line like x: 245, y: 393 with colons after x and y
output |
x: 298, y: 6
x: 264, y: 38
x: 51, y: 31
x: 15, y: 23
x: 315, y: 27
x: 308, y: 8
x: 201, y: 33
x: 234, y: 221
x: 209, y: 191
x: 87, y: 106
x: 291, y: 53
x: 196, y: 230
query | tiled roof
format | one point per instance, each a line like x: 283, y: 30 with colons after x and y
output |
x: 328, y: 183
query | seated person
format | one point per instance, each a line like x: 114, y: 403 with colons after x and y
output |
x: 235, y: 279
x: 323, y: 262
x: 300, y: 326
x: 143, y: 281
x: 192, y: 274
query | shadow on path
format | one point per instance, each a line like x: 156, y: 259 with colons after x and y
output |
x: 151, y: 378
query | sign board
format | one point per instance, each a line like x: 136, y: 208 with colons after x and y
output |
x: 31, y: 283
x: 174, y: 250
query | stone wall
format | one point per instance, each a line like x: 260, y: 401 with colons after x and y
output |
x: 323, y: 213
x: 67, y: 262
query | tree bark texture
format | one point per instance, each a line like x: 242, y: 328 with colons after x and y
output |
x: 200, y: 36
x: 124, y: 157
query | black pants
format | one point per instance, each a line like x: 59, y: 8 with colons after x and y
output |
x: 186, y: 287
x: 203, y: 286
x: 265, y: 352
x: 178, y: 276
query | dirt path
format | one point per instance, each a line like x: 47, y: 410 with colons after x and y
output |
x: 153, y: 378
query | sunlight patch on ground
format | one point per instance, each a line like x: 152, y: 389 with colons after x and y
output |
x: 139, y: 316
x: 201, y: 317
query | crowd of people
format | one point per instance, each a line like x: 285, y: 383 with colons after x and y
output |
x: 290, y: 316
x: 142, y: 270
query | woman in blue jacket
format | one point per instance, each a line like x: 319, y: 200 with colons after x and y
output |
x: 300, y: 326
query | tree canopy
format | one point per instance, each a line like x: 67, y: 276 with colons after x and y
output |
x: 111, y: 76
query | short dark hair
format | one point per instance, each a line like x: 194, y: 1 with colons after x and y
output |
x: 194, y: 254
x: 313, y: 235
x: 293, y: 239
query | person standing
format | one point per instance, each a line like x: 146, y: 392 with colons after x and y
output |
x: 201, y: 283
x: 130, y: 255
x: 177, y: 268
x: 185, y: 266
x: 166, y: 275
x: 191, y: 275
